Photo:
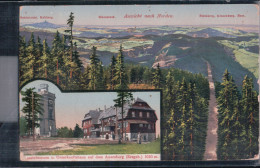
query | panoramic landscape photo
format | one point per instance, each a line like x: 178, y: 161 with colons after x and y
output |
x: 204, y: 58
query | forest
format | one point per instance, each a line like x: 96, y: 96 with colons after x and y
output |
x: 238, y: 119
x: 38, y: 61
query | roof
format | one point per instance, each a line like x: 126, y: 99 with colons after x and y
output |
x: 140, y: 100
x: 92, y: 114
x: 142, y: 108
x: 96, y: 115
x: 109, y: 112
x: 127, y: 106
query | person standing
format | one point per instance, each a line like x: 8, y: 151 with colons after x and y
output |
x: 139, y: 138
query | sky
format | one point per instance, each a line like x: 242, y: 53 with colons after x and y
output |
x: 70, y: 108
x: 181, y: 14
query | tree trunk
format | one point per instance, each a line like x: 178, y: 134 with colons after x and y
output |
x: 58, y: 79
x: 33, y: 117
x: 71, y: 44
x: 45, y: 72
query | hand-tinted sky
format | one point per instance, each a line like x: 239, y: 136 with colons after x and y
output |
x: 182, y: 14
x: 71, y: 107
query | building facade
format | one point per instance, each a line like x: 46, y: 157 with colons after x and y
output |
x: 48, y: 121
x: 90, y: 124
x: 137, y: 117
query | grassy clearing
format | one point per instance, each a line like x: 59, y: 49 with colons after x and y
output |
x: 128, y: 148
x: 247, y: 59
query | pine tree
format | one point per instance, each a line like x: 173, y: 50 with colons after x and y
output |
x: 44, y: 69
x: 76, y: 58
x: 112, y: 72
x: 183, y: 103
x: 147, y: 75
x: 120, y: 101
x: 133, y: 75
x: 94, y: 69
x: 250, y: 108
x: 170, y: 138
x: 84, y: 78
x: 157, y: 77
x: 32, y: 109
x: 66, y: 62
x: 38, y: 56
x: 31, y: 59
x: 238, y: 132
x: 191, y: 120
x: 100, y: 77
x: 196, y: 123
x: 227, y: 99
x: 78, y: 132
x: 120, y: 76
x: 70, y: 22
x: 57, y: 57
x: 139, y: 74
x: 75, y: 68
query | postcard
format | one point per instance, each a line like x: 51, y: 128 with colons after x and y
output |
x: 139, y: 82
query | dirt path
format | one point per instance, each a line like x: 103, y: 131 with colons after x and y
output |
x: 212, y: 137
x: 29, y: 147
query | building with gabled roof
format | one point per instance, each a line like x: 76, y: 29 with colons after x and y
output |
x: 137, y: 117
x: 90, y: 123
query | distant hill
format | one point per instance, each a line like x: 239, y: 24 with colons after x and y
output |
x: 183, y: 48
x: 43, y: 25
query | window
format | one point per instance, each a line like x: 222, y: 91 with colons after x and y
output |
x: 133, y: 114
x: 107, y: 129
x: 140, y: 114
x: 149, y: 126
x: 148, y: 115
x: 140, y: 125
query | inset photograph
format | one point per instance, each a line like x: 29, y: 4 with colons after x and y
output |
x: 84, y: 126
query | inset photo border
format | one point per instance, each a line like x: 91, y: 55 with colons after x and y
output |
x: 88, y: 126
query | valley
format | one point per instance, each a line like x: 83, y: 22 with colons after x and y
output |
x: 180, y: 47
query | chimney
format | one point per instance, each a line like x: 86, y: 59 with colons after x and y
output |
x: 105, y: 107
x: 98, y: 109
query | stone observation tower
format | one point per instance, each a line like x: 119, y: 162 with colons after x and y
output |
x: 48, y: 122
